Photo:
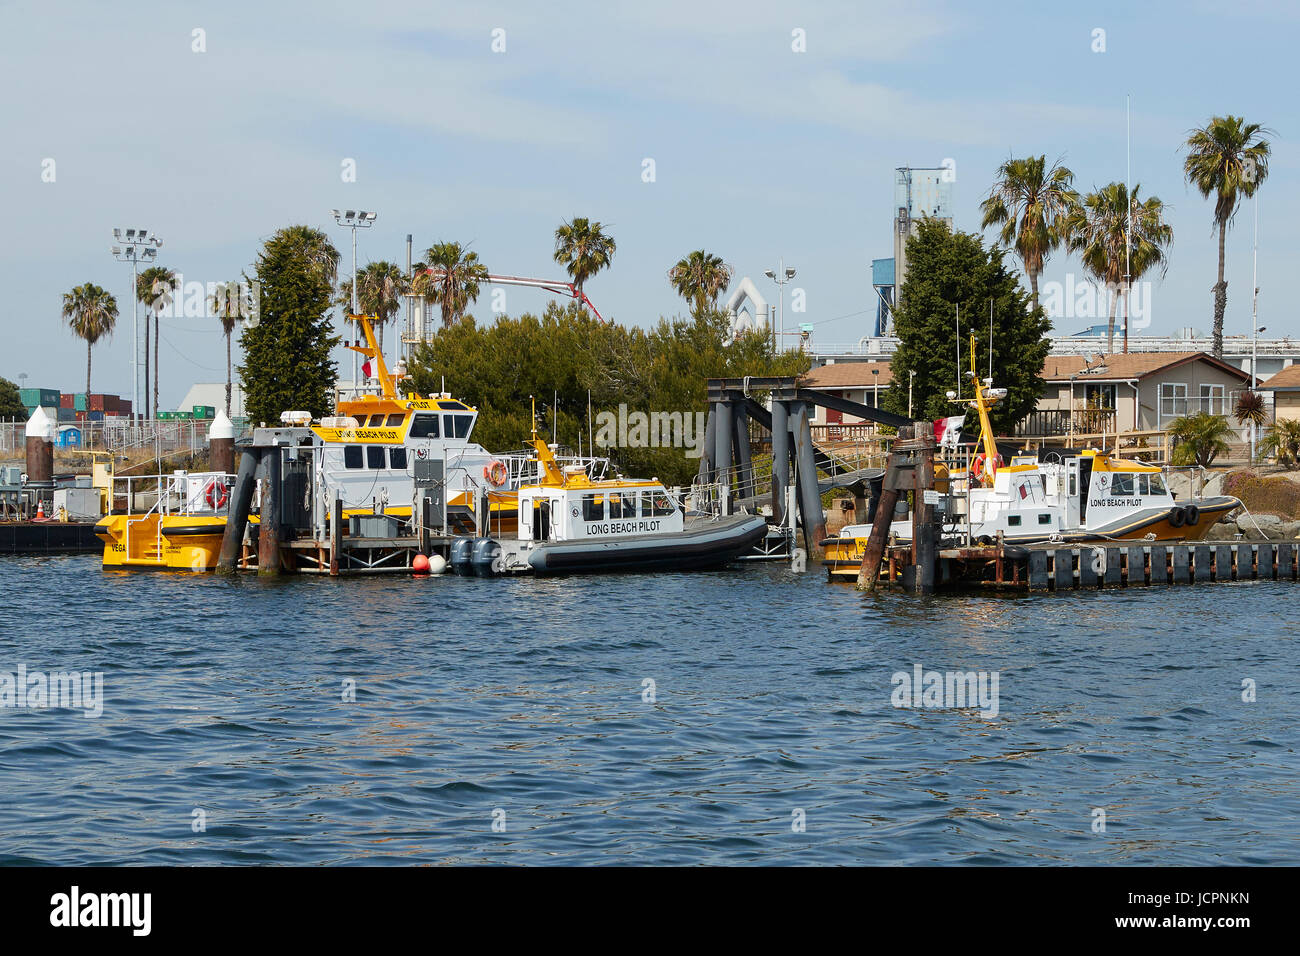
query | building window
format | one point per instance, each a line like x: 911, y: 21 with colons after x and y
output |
x: 1173, y: 400
x: 1100, y: 395
x: 1212, y: 400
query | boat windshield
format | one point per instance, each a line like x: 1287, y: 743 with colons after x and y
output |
x: 1158, y: 485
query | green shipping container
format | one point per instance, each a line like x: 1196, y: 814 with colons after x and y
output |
x: 204, y: 411
x: 166, y: 416
x: 185, y: 415
x: 45, y: 397
x: 79, y: 401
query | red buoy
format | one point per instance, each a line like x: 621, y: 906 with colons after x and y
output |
x: 420, y: 564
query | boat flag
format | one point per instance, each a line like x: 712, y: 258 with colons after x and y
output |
x: 948, y: 430
x: 365, y: 368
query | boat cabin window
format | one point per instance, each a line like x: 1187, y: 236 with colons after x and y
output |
x: 352, y: 456
x: 458, y: 425
x: 375, y: 456
x: 395, y: 420
x: 593, y: 507
x: 1013, y: 520
x: 1121, y: 484
x: 424, y: 426
x: 1044, y: 519
x: 397, y: 458
x: 622, y: 506
x: 376, y: 421
x: 661, y: 504
x: 1158, y: 485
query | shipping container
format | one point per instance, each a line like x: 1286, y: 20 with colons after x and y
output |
x: 204, y: 411
x: 79, y: 401
x: 185, y: 415
x: 67, y: 415
x: 66, y: 400
x: 124, y: 406
x: 45, y: 397
x: 94, y: 416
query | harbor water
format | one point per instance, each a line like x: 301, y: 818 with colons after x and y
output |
x: 740, y: 717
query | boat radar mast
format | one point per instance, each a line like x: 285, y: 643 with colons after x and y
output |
x: 986, y: 396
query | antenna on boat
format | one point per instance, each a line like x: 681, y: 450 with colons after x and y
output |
x: 959, y: 350
x: 591, y: 445
x: 990, y: 337
x: 1128, y: 212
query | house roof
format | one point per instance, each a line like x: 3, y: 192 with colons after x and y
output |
x: 1125, y: 366
x: 849, y: 375
x: 1286, y: 380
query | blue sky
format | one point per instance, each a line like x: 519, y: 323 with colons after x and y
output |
x: 759, y: 151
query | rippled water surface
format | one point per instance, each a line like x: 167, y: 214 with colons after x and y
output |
x: 522, y: 702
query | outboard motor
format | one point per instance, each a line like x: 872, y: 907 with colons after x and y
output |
x: 462, y: 552
x: 486, y: 557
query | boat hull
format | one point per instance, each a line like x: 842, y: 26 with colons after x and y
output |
x: 161, y: 543
x: 702, y: 545
x: 843, y: 555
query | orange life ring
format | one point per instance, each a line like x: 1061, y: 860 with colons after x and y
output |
x: 217, y: 494
x: 977, y: 465
x: 496, y: 473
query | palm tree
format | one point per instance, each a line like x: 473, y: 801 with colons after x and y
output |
x: 91, y: 313
x: 584, y: 249
x: 1283, y: 440
x: 1227, y: 157
x: 1199, y: 439
x: 1115, y: 248
x: 381, y: 287
x: 227, y: 304
x: 151, y: 290
x: 700, y: 278
x: 1030, y: 201
x: 451, y: 278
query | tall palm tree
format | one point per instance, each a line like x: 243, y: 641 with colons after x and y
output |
x: 381, y: 287
x: 228, y: 305
x: 1030, y: 201
x: 152, y: 288
x: 1227, y: 157
x: 584, y: 249
x: 451, y: 278
x: 700, y: 278
x: 1114, y: 249
x: 91, y: 313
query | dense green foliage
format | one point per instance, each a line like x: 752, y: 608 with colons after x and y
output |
x: 558, y: 357
x: 11, y: 405
x: 946, y: 270
x: 1199, y: 439
x: 287, y: 363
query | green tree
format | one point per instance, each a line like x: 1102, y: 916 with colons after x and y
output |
x: 1113, y: 245
x: 583, y: 248
x: 947, y: 270
x: 230, y: 303
x: 91, y: 313
x: 450, y: 278
x: 1199, y: 439
x: 1030, y: 201
x: 11, y: 403
x: 700, y: 278
x: 1229, y: 158
x: 567, y: 354
x: 287, y: 362
x: 381, y: 289
x: 1283, y: 441
x: 153, y: 290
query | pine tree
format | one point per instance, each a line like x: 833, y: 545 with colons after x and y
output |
x: 287, y: 364
x: 946, y: 270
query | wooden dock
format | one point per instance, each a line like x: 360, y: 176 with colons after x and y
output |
x: 1059, y: 568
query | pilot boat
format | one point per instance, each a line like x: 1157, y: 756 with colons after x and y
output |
x: 576, y: 524
x: 364, y: 456
x: 1067, y: 496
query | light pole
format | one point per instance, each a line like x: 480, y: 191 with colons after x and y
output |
x: 134, y: 245
x: 911, y: 377
x: 780, y: 276
x: 354, y: 220
x: 1254, y: 323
